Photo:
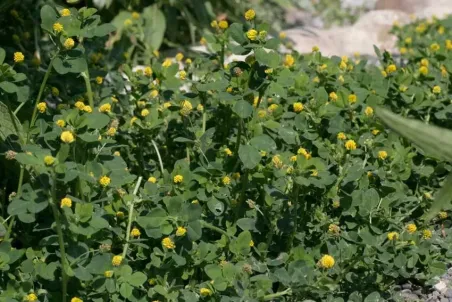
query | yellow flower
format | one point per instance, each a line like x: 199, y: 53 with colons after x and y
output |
x: 441, y: 30
x: 449, y: 44
x: 49, y: 160
x: 152, y: 179
x: 69, y: 43
x: 117, y: 260
x: 104, y: 181
x: 116, y: 153
x: 252, y: 34
x: 341, y: 136
x: 223, y: 24
x: 277, y: 162
x: 214, y: 24
x: 87, y: 109
x: 384, y: 73
x: 326, y: 261
x: 423, y: 70
x: 297, y: 107
x: 108, y: 274
x: 350, y: 144
x: 426, y: 234
x: 293, y: 158
x: 148, y: 71
x: 120, y: 215
x: 411, y: 228
x: 179, y: 56
x: 167, y: 62
x: 18, y: 57
x: 251, y: 243
x: 200, y: 108
x: 79, y: 105
x: 154, y: 93
x: 263, y: 153
x: 204, y: 292
x: 392, y: 236
x: 66, y: 202
x: 111, y: 131
x: 135, y: 233
x: 403, y: 88
x: 203, y: 41
x: 315, y: 48
x: 262, y: 34
x: 282, y: 35
x: 186, y: 108
x: 76, y: 299
x: 195, y: 201
x: 375, y: 131
x: 421, y: 28
x: 435, y: 47
x: 182, y: 75
x: 127, y: 22
x: 228, y: 152
x: 304, y: 152
x: 31, y: 297
x: 42, y: 106
x: 105, y: 108
x: 336, y: 204
x: 289, y: 61
x: 136, y: 15
x: 408, y: 40
x: 188, y: 61
x: 272, y: 107
x: 226, y: 180
x: 343, y: 65
x: 178, y: 179
x: 250, y: 14
x: 436, y: 89
x: 67, y: 137
x: 442, y: 215
x: 181, y: 231
x: 334, y: 229
x: 57, y: 27
x: 425, y: 62
x: 60, y: 123
x: 391, y: 68
x: 65, y: 12
x: 382, y: 155
x: 314, y: 173
x: 352, y: 98
x: 333, y: 96
x: 144, y: 112
x: 369, y: 111
x: 168, y: 243
x: 444, y: 72
x: 99, y: 80
x: 403, y: 50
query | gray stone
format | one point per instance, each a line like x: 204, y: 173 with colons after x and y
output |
x: 418, y: 292
x: 406, y: 286
x: 444, y: 300
x: 407, y: 295
x: 448, y: 293
x: 441, y: 286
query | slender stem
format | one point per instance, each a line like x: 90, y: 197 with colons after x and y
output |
x: 129, y: 224
x: 214, y: 228
x: 41, y: 90
x: 188, y: 153
x: 295, y: 218
x: 222, y: 55
x: 81, y: 256
x: 277, y: 295
x: 89, y: 91
x: 56, y: 215
x: 204, y: 120
x: 239, y: 137
x: 18, y: 108
x: 19, y: 189
x: 158, y: 155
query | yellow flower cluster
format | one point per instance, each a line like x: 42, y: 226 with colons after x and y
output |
x: 178, y: 179
x: 297, y: 107
x: 181, y: 231
x: 104, y: 181
x: 105, y: 108
x: 66, y: 202
x: 186, y: 108
x: 135, y: 233
x: 117, y: 260
x: 168, y: 243
x: 411, y: 228
x: 304, y: 152
x: 67, y: 137
x: 326, y: 262
x: 42, y: 107
x: 392, y: 236
x: 350, y: 145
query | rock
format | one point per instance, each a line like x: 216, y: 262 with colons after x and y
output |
x: 418, y: 292
x: 420, y: 8
x: 407, y: 295
x: 441, y: 286
x: 444, y: 300
x: 448, y: 293
x: 406, y: 286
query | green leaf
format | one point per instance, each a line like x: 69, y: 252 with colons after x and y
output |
x: 26, y: 159
x: 271, y: 58
x: 48, y: 18
x: 249, y: 156
x: 373, y: 297
x: 2, y: 55
x: 152, y: 219
x: 236, y: 32
x: 243, y: 109
x: 10, y: 124
x: 8, y: 87
x: 137, y: 279
x: 70, y: 65
x: 247, y: 224
x: 126, y: 290
x: 84, y: 211
x: 154, y: 26
x: 442, y: 199
x: 104, y: 30
x: 95, y: 121
x: 263, y: 142
x: 82, y: 273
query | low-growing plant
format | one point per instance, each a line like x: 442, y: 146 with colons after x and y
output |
x: 186, y: 179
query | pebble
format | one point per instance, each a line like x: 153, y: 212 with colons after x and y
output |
x: 441, y: 286
x: 448, y: 293
x: 444, y: 300
x: 406, y: 286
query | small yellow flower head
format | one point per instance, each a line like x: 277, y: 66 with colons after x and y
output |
x: 49, y: 160
x: 391, y: 68
x: 251, y: 243
x: 411, y: 228
x: 369, y: 111
x: 226, y: 180
x: 120, y: 215
x: 60, y: 123
x: 350, y: 144
x: 282, y: 35
x: 262, y: 34
x: 441, y: 30
x: 200, y: 108
x: 66, y: 202
x: 204, y: 292
x: 341, y: 136
x: 326, y: 262
x: 252, y: 34
x: 315, y: 48
x: 105, y: 108
x: 392, y: 236
x: 293, y: 158
x: 403, y: 88
x: 154, y: 93
x: 426, y: 234
x: 421, y: 28
x: 69, y: 43
x: 314, y: 173
x: 277, y: 162
x: 42, y: 107
x: 272, y: 108
x: 195, y: 201
x: 250, y: 14
x: 188, y: 61
x: 352, y: 98
x: 117, y: 260
x: 228, y: 152
x: 127, y: 22
x: 31, y: 297
x: 181, y: 231
x: 178, y: 179
x: 179, y: 56
x: 104, y: 181
x: 435, y: 47
x: 408, y: 40
x: 384, y: 73
x: 436, y: 89
x: 336, y: 204
x: 168, y: 243
x: 382, y: 154
x: 203, y: 41
x: 65, y: 12
x: 87, y: 109
x: 297, y: 107
x: 182, y: 74
x: 304, y: 152
x: 76, y: 299
x: 423, y: 70
x: 148, y: 71
x: 442, y: 215
x: 444, y: 71
x: 18, y: 57
x: 223, y: 24
x: 289, y: 61
x: 152, y: 179
x: 186, y: 108
x: 214, y: 24
x: 135, y: 233
x: 99, y: 80
x: 111, y: 131
x: 117, y: 153
x: 403, y: 50
x: 108, y: 274
x: 144, y: 112
x: 135, y: 15
x: 343, y: 65
x: 333, y: 96
x: 334, y: 229
x: 79, y: 105
x: 167, y: 62
x: 57, y: 27
x: 425, y: 62
x: 268, y: 71
x: 449, y: 44
x: 67, y: 137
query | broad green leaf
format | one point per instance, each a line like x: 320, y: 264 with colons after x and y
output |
x: 2, y: 55
x: 263, y: 142
x: 243, y: 109
x: 154, y: 26
x: 137, y: 279
x: 8, y: 87
x: 70, y: 64
x: 48, y: 18
x: 236, y: 32
x: 10, y: 124
x: 249, y: 156
x: 84, y: 211
x: 442, y: 201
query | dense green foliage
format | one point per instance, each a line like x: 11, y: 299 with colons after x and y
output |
x: 130, y: 177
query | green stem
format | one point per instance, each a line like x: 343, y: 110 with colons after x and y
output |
x: 56, y: 216
x: 89, y: 91
x: 19, y: 188
x: 214, y: 228
x: 158, y: 155
x: 239, y: 137
x: 295, y: 219
x: 277, y: 295
x: 41, y: 90
x: 204, y: 120
x: 129, y: 224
